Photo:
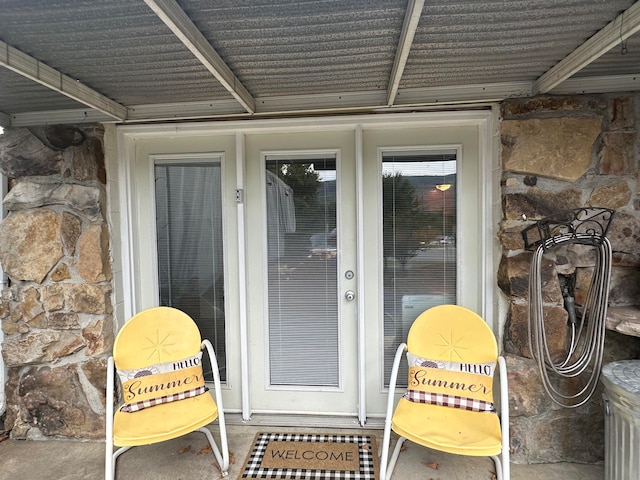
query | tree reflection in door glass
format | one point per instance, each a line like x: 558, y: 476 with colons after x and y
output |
x: 419, y: 241
x: 302, y: 257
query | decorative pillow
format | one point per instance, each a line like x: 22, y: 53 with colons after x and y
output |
x: 162, y: 383
x: 459, y: 385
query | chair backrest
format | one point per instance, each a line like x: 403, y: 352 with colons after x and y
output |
x: 452, y: 333
x: 154, y: 336
x: 452, y: 355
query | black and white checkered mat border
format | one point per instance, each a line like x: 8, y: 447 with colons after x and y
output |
x: 367, y: 458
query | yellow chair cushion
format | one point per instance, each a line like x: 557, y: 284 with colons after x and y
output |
x: 448, y: 429
x: 163, y: 422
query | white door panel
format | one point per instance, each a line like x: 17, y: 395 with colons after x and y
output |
x: 302, y: 330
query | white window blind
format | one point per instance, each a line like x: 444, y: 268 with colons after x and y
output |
x: 302, y: 258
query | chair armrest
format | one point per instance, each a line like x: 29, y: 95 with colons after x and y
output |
x: 504, y: 409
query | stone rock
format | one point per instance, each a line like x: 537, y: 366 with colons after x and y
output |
x: 63, y: 321
x: 621, y: 113
x: 624, y: 286
x: 39, y: 321
x: 11, y: 389
x: 28, y: 305
x: 527, y: 396
x: 77, y: 297
x: 95, y: 371
x: 60, y: 273
x: 30, y: 244
x: 538, y: 104
x: 516, y: 334
x: 53, y: 401
x: 624, y: 235
x: 625, y: 320
x: 58, y: 137
x: 88, y: 299
x: 71, y: 230
x: 618, y: 153
x: 611, y: 196
x: 88, y: 162
x: 93, y: 254
x: 583, y: 280
x: 513, y: 277
x: 579, y: 256
x: 53, y: 298
x: 41, y: 347
x: 518, y: 206
x: 557, y: 148
x: 23, y: 155
x: 29, y: 194
x: 511, y: 236
x: 98, y: 337
x: 537, y: 204
x: 566, y: 435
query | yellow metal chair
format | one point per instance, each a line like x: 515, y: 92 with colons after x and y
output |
x: 449, y: 402
x: 157, y: 357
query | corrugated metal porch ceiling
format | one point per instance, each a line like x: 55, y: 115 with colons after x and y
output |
x: 66, y: 61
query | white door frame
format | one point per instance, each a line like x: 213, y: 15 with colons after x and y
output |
x: 121, y: 190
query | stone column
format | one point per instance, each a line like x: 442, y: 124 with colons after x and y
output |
x: 562, y: 153
x: 56, y: 311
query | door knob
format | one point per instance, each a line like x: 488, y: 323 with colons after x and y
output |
x: 349, y: 295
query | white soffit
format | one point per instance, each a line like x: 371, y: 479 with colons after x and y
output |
x: 182, y: 26
x: 615, y: 32
x: 31, y: 68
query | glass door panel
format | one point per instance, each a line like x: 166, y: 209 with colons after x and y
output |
x: 303, y: 329
x: 189, y: 245
x: 419, y: 241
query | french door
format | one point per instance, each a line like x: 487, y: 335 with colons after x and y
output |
x: 305, y: 254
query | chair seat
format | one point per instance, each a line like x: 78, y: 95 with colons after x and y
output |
x: 448, y: 429
x: 163, y: 422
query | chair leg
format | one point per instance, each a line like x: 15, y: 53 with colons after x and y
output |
x: 110, y: 466
x: 394, y: 458
x: 498, y: 464
x: 502, y: 468
x: 223, y: 460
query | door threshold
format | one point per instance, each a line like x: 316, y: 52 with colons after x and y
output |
x: 302, y: 421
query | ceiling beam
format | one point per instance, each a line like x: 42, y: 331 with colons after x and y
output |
x: 411, y: 19
x: 615, y: 32
x: 33, y: 69
x: 599, y: 84
x: 181, y: 25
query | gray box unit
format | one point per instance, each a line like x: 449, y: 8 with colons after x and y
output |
x: 621, y: 395
x: 414, y: 305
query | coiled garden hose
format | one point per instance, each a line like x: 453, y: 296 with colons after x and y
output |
x: 587, y: 335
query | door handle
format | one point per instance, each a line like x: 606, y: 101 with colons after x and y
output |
x: 349, y: 295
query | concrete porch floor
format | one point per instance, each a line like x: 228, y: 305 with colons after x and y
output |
x: 181, y: 459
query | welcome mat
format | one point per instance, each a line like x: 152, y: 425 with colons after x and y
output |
x: 312, y: 456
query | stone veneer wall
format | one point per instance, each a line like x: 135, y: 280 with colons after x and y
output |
x: 563, y: 153
x: 56, y: 313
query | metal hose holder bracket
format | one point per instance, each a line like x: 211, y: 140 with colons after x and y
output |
x: 588, y: 225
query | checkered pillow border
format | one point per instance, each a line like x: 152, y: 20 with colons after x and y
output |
x: 367, y: 458
x: 134, y: 407
x: 449, y: 401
